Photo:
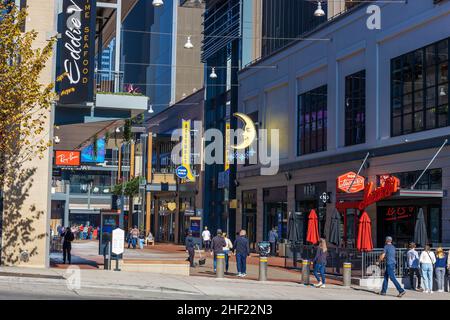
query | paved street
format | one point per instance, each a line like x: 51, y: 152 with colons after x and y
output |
x: 100, y: 284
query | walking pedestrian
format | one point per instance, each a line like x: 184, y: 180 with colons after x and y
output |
x: 206, y: 236
x: 68, y: 237
x: 226, y: 250
x: 427, y: 260
x: 389, y: 255
x: 129, y: 237
x: 273, y: 239
x: 414, y: 267
x: 190, y: 244
x: 217, y: 245
x: 242, y: 251
x: 441, y: 262
x: 320, y: 262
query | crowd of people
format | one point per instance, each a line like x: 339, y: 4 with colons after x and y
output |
x: 136, y: 237
x: 80, y: 232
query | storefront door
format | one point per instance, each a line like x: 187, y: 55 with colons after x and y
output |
x: 275, y: 216
x: 249, y: 224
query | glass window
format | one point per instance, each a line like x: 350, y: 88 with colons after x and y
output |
x: 355, y: 108
x: 312, y: 112
x: 419, y: 89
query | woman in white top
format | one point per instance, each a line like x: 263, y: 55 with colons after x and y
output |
x: 427, y: 260
x: 227, y: 249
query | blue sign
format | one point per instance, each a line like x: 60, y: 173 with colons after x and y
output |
x: 181, y: 172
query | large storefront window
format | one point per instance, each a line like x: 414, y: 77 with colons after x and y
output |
x: 249, y: 217
x: 355, y: 108
x: 275, y: 211
x: 312, y: 113
x: 420, y: 89
x: 431, y: 180
x: 307, y: 197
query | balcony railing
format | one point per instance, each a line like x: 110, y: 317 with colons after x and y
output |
x: 107, y: 81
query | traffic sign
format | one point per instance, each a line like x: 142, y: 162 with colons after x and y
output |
x: 118, y: 241
x: 181, y: 172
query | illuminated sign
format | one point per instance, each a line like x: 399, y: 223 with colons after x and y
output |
x: 186, y: 148
x: 391, y: 186
x: 344, y: 181
x: 249, y: 134
x: 227, y: 146
x: 398, y: 213
x: 77, y: 52
x: 67, y: 158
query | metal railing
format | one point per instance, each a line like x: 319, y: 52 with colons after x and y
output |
x: 56, y: 244
x: 109, y: 81
x: 363, y: 263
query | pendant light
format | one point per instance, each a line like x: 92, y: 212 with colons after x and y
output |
x: 213, y: 74
x: 57, y: 140
x: 188, y: 44
x: 442, y: 93
x: 150, y: 109
x: 157, y: 3
x: 319, y: 11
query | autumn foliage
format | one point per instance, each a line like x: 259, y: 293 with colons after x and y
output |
x: 25, y: 103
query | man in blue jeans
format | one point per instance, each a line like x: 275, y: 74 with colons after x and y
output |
x: 242, y: 251
x: 389, y: 255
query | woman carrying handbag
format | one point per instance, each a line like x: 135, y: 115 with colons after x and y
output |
x: 427, y: 261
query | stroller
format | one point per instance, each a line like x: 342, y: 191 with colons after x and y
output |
x: 201, y: 260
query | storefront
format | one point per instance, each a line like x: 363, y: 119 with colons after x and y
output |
x: 307, y: 197
x: 275, y: 211
x: 249, y: 215
x: 166, y: 219
x: 397, y: 207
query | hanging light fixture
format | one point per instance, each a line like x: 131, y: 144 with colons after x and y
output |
x: 319, y: 11
x: 188, y: 44
x: 150, y: 109
x: 117, y: 129
x: 57, y: 140
x: 157, y: 3
x: 442, y: 93
x: 213, y: 74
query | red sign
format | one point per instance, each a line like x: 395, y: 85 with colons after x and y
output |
x: 344, y: 181
x: 67, y: 158
x: 391, y: 186
x: 398, y: 213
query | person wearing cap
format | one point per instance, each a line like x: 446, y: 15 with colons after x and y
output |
x: 389, y: 255
x: 414, y: 267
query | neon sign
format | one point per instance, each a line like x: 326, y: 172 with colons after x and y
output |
x: 391, y: 186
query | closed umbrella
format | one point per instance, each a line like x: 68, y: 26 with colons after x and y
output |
x: 312, y: 234
x: 364, y: 241
x: 291, y: 227
x: 334, y: 234
x: 420, y: 230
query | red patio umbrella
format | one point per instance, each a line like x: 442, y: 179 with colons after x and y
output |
x: 312, y: 234
x: 364, y: 241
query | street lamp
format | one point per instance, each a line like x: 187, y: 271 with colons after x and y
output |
x: 188, y: 44
x: 157, y: 3
x: 319, y: 11
x: 213, y: 74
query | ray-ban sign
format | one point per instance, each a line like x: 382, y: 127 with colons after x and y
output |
x: 67, y: 158
x: 77, y: 51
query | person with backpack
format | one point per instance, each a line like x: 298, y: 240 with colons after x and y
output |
x: 427, y: 261
x: 68, y: 237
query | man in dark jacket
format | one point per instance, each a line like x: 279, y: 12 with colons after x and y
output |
x: 190, y: 248
x: 242, y: 251
x: 217, y: 244
x: 68, y: 237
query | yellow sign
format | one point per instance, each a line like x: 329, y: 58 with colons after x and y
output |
x: 227, y: 146
x: 186, y: 149
x: 249, y: 131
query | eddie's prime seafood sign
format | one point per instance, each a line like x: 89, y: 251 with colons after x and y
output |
x: 77, y: 51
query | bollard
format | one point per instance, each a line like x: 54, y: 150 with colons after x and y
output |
x: 347, y: 274
x: 305, y: 272
x: 262, y: 269
x: 220, y: 265
x: 106, y: 257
